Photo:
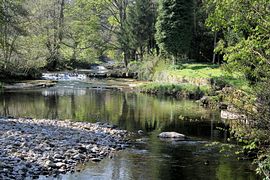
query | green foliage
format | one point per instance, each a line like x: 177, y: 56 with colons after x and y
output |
x: 198, y: 70
x: 140, y: 25
x: 50, y: 28
x: 202, y: 46
x: 253, y: 129
x: 59, y: 34
x: 225, y: 149
x: 174, y: 27
x: 146, y: 69
x: 263, y: 105
x: 21, y: 48
x: 51, y: 33
x: 117, y: 25
x: 199, y: 74
x: 81, y: 31
x: 246, y: 29
x: 161, y: 70
x: 264, y: 166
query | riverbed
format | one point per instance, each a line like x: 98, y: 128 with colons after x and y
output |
x: 148, y: 157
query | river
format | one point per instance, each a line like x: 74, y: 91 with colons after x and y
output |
x: 149, y: 157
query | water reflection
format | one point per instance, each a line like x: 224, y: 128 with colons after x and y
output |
x: 163, y: 160
x: 153, y: 159
x: 64, y: 92
x: 130, y: 111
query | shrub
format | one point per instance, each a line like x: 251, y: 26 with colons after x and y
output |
x: 145, y: 69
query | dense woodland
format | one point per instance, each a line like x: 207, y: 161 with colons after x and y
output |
x: 57, y: 34
x: 39, y: 35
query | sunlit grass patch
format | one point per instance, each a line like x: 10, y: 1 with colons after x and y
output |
x: 196, y: 72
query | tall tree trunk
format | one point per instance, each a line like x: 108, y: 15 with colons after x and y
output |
x: 61, y: 20
x: 141, y: 53
x: 126, y: 57
x: 54, y: 41
x: 215, y: 44
x: 195, y: 43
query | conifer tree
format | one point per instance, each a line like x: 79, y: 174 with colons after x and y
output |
x: 174, y: 27
x: 140, y: 25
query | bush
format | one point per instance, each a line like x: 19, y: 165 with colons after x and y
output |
x: 146, y: 69
x: 264, y: 166
x: 254, y: 129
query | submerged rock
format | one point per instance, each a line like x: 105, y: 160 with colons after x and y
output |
x: 174, y: 135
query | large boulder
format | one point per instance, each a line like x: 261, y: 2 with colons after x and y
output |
x: 173, y: 135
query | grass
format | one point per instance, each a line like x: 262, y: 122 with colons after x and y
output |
x: 192, y: 80
x: 174, y: 87
x: 177, y: 90
x: 196, y: 70
x: 191, y: 72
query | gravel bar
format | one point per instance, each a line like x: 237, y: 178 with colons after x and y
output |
x: 34, y: 147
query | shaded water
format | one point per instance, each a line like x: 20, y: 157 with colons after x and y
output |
x: 149, y: 158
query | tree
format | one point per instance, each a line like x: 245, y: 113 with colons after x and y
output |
x: 82, y: 38
x: 174, y: 27
x: 54, y: 24
x: 20, y: 46
x: 202, y: 37
x: 246, y: 48
x: 117, y: 18
x: 246, y: 29
x: 140, y: 26
x: 11, y: 27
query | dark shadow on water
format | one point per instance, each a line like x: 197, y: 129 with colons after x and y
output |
x: 151, y: 158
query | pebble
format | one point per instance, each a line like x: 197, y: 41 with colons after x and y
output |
x: 33, y: 147
x: 96, y: 159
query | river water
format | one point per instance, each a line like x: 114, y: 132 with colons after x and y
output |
x: 149, y: 157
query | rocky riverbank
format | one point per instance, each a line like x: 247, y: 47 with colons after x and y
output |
x: 29, y: 84
x: 30, y: 147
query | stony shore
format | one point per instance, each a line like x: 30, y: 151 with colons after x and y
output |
x: 29, y: 84
x: 30, y: 147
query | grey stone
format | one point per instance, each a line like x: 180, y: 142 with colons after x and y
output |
x: 171, y: 135
x: 95, y: 159
x: 77, y: 157
x: 95, y: 149
x: 50, y: 147
x: 60, y: 164
x: 49, y: 163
